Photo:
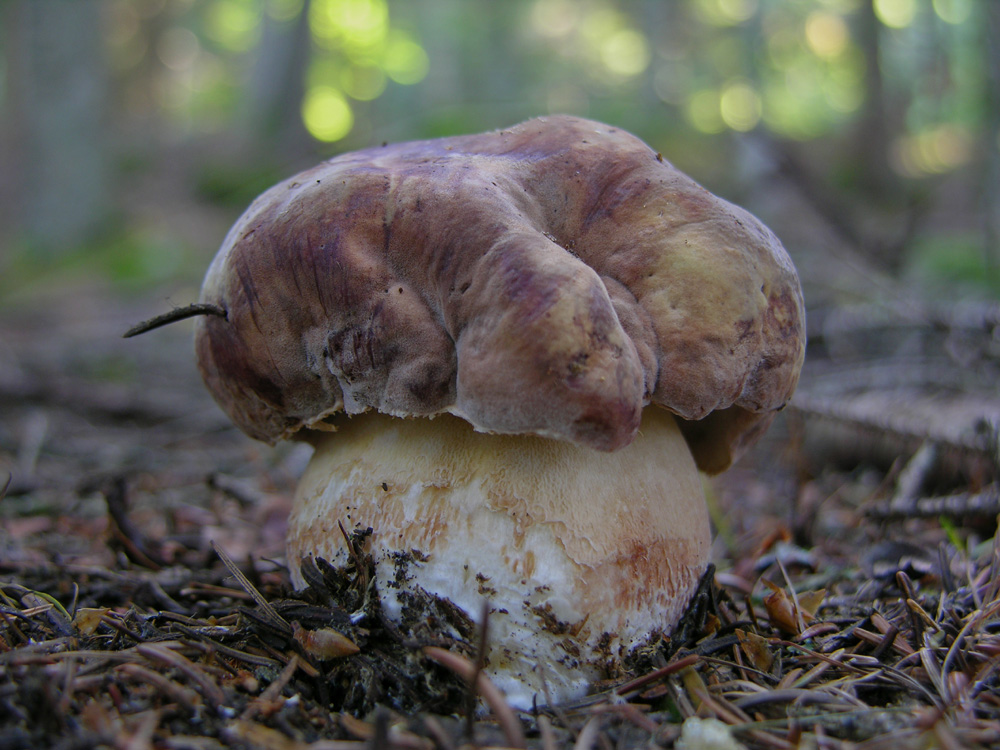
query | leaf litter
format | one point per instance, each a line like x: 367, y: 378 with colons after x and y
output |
x: 144, y: 602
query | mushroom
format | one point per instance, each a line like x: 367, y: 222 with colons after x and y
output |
x: 514, y: 354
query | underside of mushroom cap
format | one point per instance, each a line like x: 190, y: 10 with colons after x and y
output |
x: 552, y: 278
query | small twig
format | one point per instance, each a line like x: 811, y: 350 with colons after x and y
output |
x: 657, y: 675
x: 122, y: 628
x: 629, y: 712
x: 959, y: 506
x: 914, y: 475
x: 588, y: 735
x: 439, y: 736
x: 491, y: 694
x: 886, y: 425
x: 547, y: 733
x: 276, y: 619
x: 185, y: 696
x: 260, y: 661
x: 115, y: 491
x: 470, y: 708
x: 178, y: 313
x: 157, y: 652
x: 272, y: 691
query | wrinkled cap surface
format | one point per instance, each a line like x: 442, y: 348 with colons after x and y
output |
x: 551, y: 278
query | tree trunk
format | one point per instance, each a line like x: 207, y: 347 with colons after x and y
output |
x: 59, y: 92
x: 872, y: 136
x: 991, y: 134
x: 276, y: 85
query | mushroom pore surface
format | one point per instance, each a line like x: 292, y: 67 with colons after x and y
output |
x: 582, y: 555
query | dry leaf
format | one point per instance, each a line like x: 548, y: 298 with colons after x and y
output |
x: 694, y: 684
x: 809, y: 603
x: 756, y: 650
x: 87, y: 619
x: 780, y: 609
x: 325, y: 643
x: 791, y: 615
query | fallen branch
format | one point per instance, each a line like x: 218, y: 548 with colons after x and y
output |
x: 963, y: 505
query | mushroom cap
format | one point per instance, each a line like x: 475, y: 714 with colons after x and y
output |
x: 552, y: 278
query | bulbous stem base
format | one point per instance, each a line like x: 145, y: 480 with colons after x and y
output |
x: 581, y: 555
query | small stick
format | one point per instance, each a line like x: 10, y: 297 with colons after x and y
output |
x: 659, y: 674
x: 160, y: 653
x: 273, y: 691
x: 588, y: 735
x: 175, y: 691
x: 491, y: 694
x: 547, y: 733
x: 270, y: 612
x: 470, y: 709
x: 178, y: 313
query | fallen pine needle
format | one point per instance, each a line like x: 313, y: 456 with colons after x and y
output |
x: 484, y: 686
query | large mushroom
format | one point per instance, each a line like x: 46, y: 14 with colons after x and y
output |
x: 513, y: 353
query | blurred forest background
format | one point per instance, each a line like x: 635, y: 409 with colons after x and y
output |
x: 865, y: 132
x: 133, y: 133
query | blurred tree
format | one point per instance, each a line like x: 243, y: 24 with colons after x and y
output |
x: 276, y: 85
x: 58, y: 93
x: 873, y: 132
x: 991, y: 138
x: 879, y: 109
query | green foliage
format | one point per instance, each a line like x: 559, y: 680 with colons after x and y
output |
x: 953, y: 262
x: 236, y: 185
x: 131, y: 260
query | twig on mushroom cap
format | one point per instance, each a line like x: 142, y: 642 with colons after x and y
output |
x: 178, y: 313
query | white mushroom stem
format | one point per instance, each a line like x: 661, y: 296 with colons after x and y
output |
x: 581, y: 555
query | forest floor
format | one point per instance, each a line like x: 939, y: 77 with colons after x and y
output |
x: 144, y: 601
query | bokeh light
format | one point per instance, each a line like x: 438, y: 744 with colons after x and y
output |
x: 740, y: 106
x: 359, y: 52
x: 363, y: 82
x: 726, y: 12
x: 954, y: 12
x: 827, y: 34
x: 625, y: 53
x: 356, y: 27
x: 896, y: 14
x: 283, y: 10
x: 178, y: 48
x: 326, y: 114
x: 233, y: 24
x: 933, y: 151
x: 403, y: 59
x: 703, y: 111
x: 554, y: 18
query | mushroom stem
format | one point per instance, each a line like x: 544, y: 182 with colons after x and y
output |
x: 582, y: 555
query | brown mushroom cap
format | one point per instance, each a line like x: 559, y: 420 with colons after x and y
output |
x: 551, y: 278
